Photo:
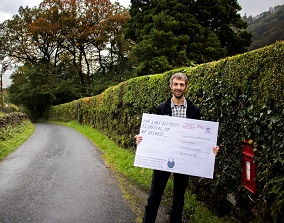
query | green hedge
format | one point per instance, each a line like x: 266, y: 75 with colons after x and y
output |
x: 244, y: 93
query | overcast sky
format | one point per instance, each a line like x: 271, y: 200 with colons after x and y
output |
x: 8, y: 8
x: 255, y: 7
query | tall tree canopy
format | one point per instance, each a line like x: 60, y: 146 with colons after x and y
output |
x: 63, y: 45
x: 89, y: 32
x: 173, y: 33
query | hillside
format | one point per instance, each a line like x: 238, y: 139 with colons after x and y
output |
x: 266, y: 28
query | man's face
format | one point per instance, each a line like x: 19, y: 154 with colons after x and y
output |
x: 178, y: 88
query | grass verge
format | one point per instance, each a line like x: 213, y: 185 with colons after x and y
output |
x: 12, y: 138
x: 121, y: 161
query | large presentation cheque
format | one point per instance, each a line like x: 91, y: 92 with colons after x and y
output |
x: 178, y: 145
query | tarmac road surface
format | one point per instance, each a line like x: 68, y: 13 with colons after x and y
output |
x: 57, y: 176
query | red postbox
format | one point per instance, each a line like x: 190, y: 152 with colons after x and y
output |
x: 249, y: 166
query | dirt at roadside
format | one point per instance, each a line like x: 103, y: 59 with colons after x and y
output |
x: 137, y: 199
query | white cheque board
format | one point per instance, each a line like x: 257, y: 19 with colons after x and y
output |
x: 178, y: 145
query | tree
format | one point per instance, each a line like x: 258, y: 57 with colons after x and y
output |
x: 61, y: 47
x: 15, y: 43
x: 88, y: 27
x: 175, y: 33
x: 37, y: 87
x: 83, y: 29
x: 221, y: 17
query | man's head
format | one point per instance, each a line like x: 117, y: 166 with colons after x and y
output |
x: 178, y: 84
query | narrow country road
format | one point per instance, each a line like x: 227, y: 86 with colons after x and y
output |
x: 57, y: 176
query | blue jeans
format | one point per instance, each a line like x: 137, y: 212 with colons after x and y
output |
x: 159, y: 182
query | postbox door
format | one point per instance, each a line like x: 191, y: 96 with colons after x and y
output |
x: 249, y: 174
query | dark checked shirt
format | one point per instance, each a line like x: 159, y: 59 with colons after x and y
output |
x: 179, y: 110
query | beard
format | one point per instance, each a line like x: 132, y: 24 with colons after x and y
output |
x: 178, y: 95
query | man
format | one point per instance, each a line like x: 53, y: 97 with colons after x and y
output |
x: 177, y: 106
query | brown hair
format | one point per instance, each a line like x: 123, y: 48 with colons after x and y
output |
x: 179, y: 76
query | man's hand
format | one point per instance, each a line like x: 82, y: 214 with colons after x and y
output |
x: 138, y: 139
x: 216, y: 150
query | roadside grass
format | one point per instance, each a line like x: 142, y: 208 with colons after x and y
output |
x: 12, y: 138
x: 121, y: 161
